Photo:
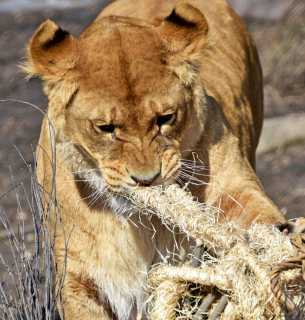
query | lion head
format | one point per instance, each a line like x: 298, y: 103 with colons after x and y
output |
x: 125, y: 97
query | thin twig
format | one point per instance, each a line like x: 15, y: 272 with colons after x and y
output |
x: 219, y: 308
x: 206, y: 304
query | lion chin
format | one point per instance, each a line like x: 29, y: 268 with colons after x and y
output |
x: 152, y: 93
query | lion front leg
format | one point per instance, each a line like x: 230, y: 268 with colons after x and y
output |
x: 82, y: 299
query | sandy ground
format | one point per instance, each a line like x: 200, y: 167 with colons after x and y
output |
x: 280, y: 41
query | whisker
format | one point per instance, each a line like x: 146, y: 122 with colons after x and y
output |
x: 190, y: 165
x: 191, y: 161
x: 82, y: 199
x: 198, y: 174
x: 195, y: 183
x: 89, y: 170
x: 98, y: 194
x: 81, y: 180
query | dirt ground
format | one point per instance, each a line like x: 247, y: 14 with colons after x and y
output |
x: 281, y: 44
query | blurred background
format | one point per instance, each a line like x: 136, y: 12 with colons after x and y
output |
x: 278, y: 28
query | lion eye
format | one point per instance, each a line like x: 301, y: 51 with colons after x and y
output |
x: 107, y: 128
x: 166, y: 119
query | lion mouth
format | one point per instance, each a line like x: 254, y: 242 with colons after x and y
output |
x: 144, y: 181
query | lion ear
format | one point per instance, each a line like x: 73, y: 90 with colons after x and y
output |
x: 185, y: 36
x: 52, y: 56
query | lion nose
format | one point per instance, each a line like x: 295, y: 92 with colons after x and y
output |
x: 142, y: 182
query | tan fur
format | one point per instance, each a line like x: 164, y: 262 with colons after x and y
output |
x: 126, y: 72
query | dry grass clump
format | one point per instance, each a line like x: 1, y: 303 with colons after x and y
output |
x: 31, y: 285
x: 239, y: 267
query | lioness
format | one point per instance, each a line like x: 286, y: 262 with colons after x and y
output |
x: 147, y: 85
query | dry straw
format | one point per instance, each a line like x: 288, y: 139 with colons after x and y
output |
x: 238, y: 267
x: 31, y: 286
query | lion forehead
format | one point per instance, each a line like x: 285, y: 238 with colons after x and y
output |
x: 124, y: 55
